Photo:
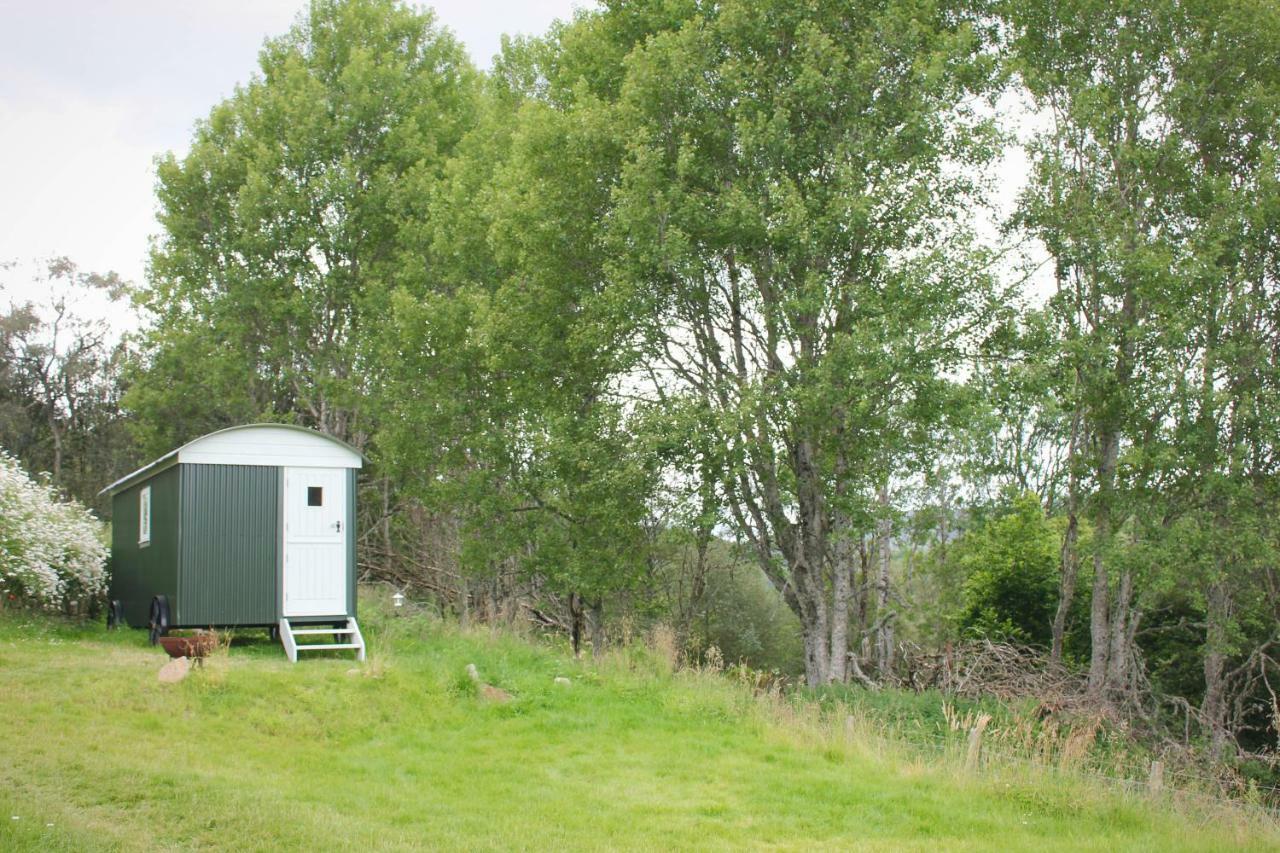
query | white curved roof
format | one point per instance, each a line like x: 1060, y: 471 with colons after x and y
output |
x: 270, y: 445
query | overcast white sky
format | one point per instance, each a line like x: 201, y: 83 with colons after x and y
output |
x: 92, y: 90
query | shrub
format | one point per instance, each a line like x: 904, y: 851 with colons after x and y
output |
x: 746, y: 621
x: 52, y: 551
x: 1010, y: 564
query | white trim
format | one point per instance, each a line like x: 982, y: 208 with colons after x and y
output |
x: 144, y: 473
x: 144, y: 516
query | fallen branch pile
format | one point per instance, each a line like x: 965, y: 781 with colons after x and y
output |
x: 982, y: 668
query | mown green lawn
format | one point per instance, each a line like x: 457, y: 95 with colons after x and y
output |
x: 256, y: 754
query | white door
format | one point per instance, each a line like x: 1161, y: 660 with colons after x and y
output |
x: 315, y: 542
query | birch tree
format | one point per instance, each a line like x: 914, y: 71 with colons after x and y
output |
x: 1099, y: 70
x: 1153, y: 192
x: 1220, y: 448
x: 789, y: 217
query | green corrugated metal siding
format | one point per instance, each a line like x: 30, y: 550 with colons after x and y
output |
x: 230, y: 545
x: 141, y: 572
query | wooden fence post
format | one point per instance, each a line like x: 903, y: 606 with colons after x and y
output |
x: 975, y: 742
x: 1155, y: 782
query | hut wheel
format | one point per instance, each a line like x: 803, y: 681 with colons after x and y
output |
x: 115, y: 613
x: 158, y: 623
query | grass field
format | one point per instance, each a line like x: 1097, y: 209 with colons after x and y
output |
x: 256, y: 754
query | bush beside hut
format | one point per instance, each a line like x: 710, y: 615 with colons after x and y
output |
x: 53, y: 553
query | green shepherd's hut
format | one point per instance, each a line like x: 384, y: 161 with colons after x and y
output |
x: 248, y: 526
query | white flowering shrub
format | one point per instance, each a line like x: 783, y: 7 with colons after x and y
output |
x: 52, y: 553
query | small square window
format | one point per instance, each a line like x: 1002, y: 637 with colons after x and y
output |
x: 315, y: 496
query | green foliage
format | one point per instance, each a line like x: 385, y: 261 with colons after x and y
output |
x: 1010, y: 568
x: 282, y: 225
x: 508, y: 350
x: 788, y: 224
x: 1155, y: 192
x: 746, y: 619
x: 1172, y: 640
x: 722, y: 599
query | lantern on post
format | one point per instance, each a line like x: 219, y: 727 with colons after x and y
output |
x: 398, y: 599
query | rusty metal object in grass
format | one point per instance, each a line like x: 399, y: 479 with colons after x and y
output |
x: 195, y: 646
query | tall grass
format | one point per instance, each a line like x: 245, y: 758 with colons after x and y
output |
x: 1085, y: 762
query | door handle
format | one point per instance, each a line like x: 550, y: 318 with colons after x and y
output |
x: 337, y: 525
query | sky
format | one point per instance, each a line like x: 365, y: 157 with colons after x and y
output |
x: 92, y: 91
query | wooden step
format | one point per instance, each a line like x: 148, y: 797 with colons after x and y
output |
x: 289, y: 638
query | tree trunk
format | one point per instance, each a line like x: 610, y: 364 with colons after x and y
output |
x: 944, y: 522
x: 842, y: 593
x: 597, y: 628
x: 1070, y: 554
x: 1067, y: 584
x: 816, y: 655
x: 386, y: 519
x: 1100, y: 609
x: 862, y: 590
x: 1213, y: 710
x: 56, y: 433
x: 1120, y: 653
x: 1099, y: 612
x: 464, y: 602
x: 842, y: 557
x: 884, y: 635
x: 575, y: 623
x: 814, y: 627
x: 809, y: 561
